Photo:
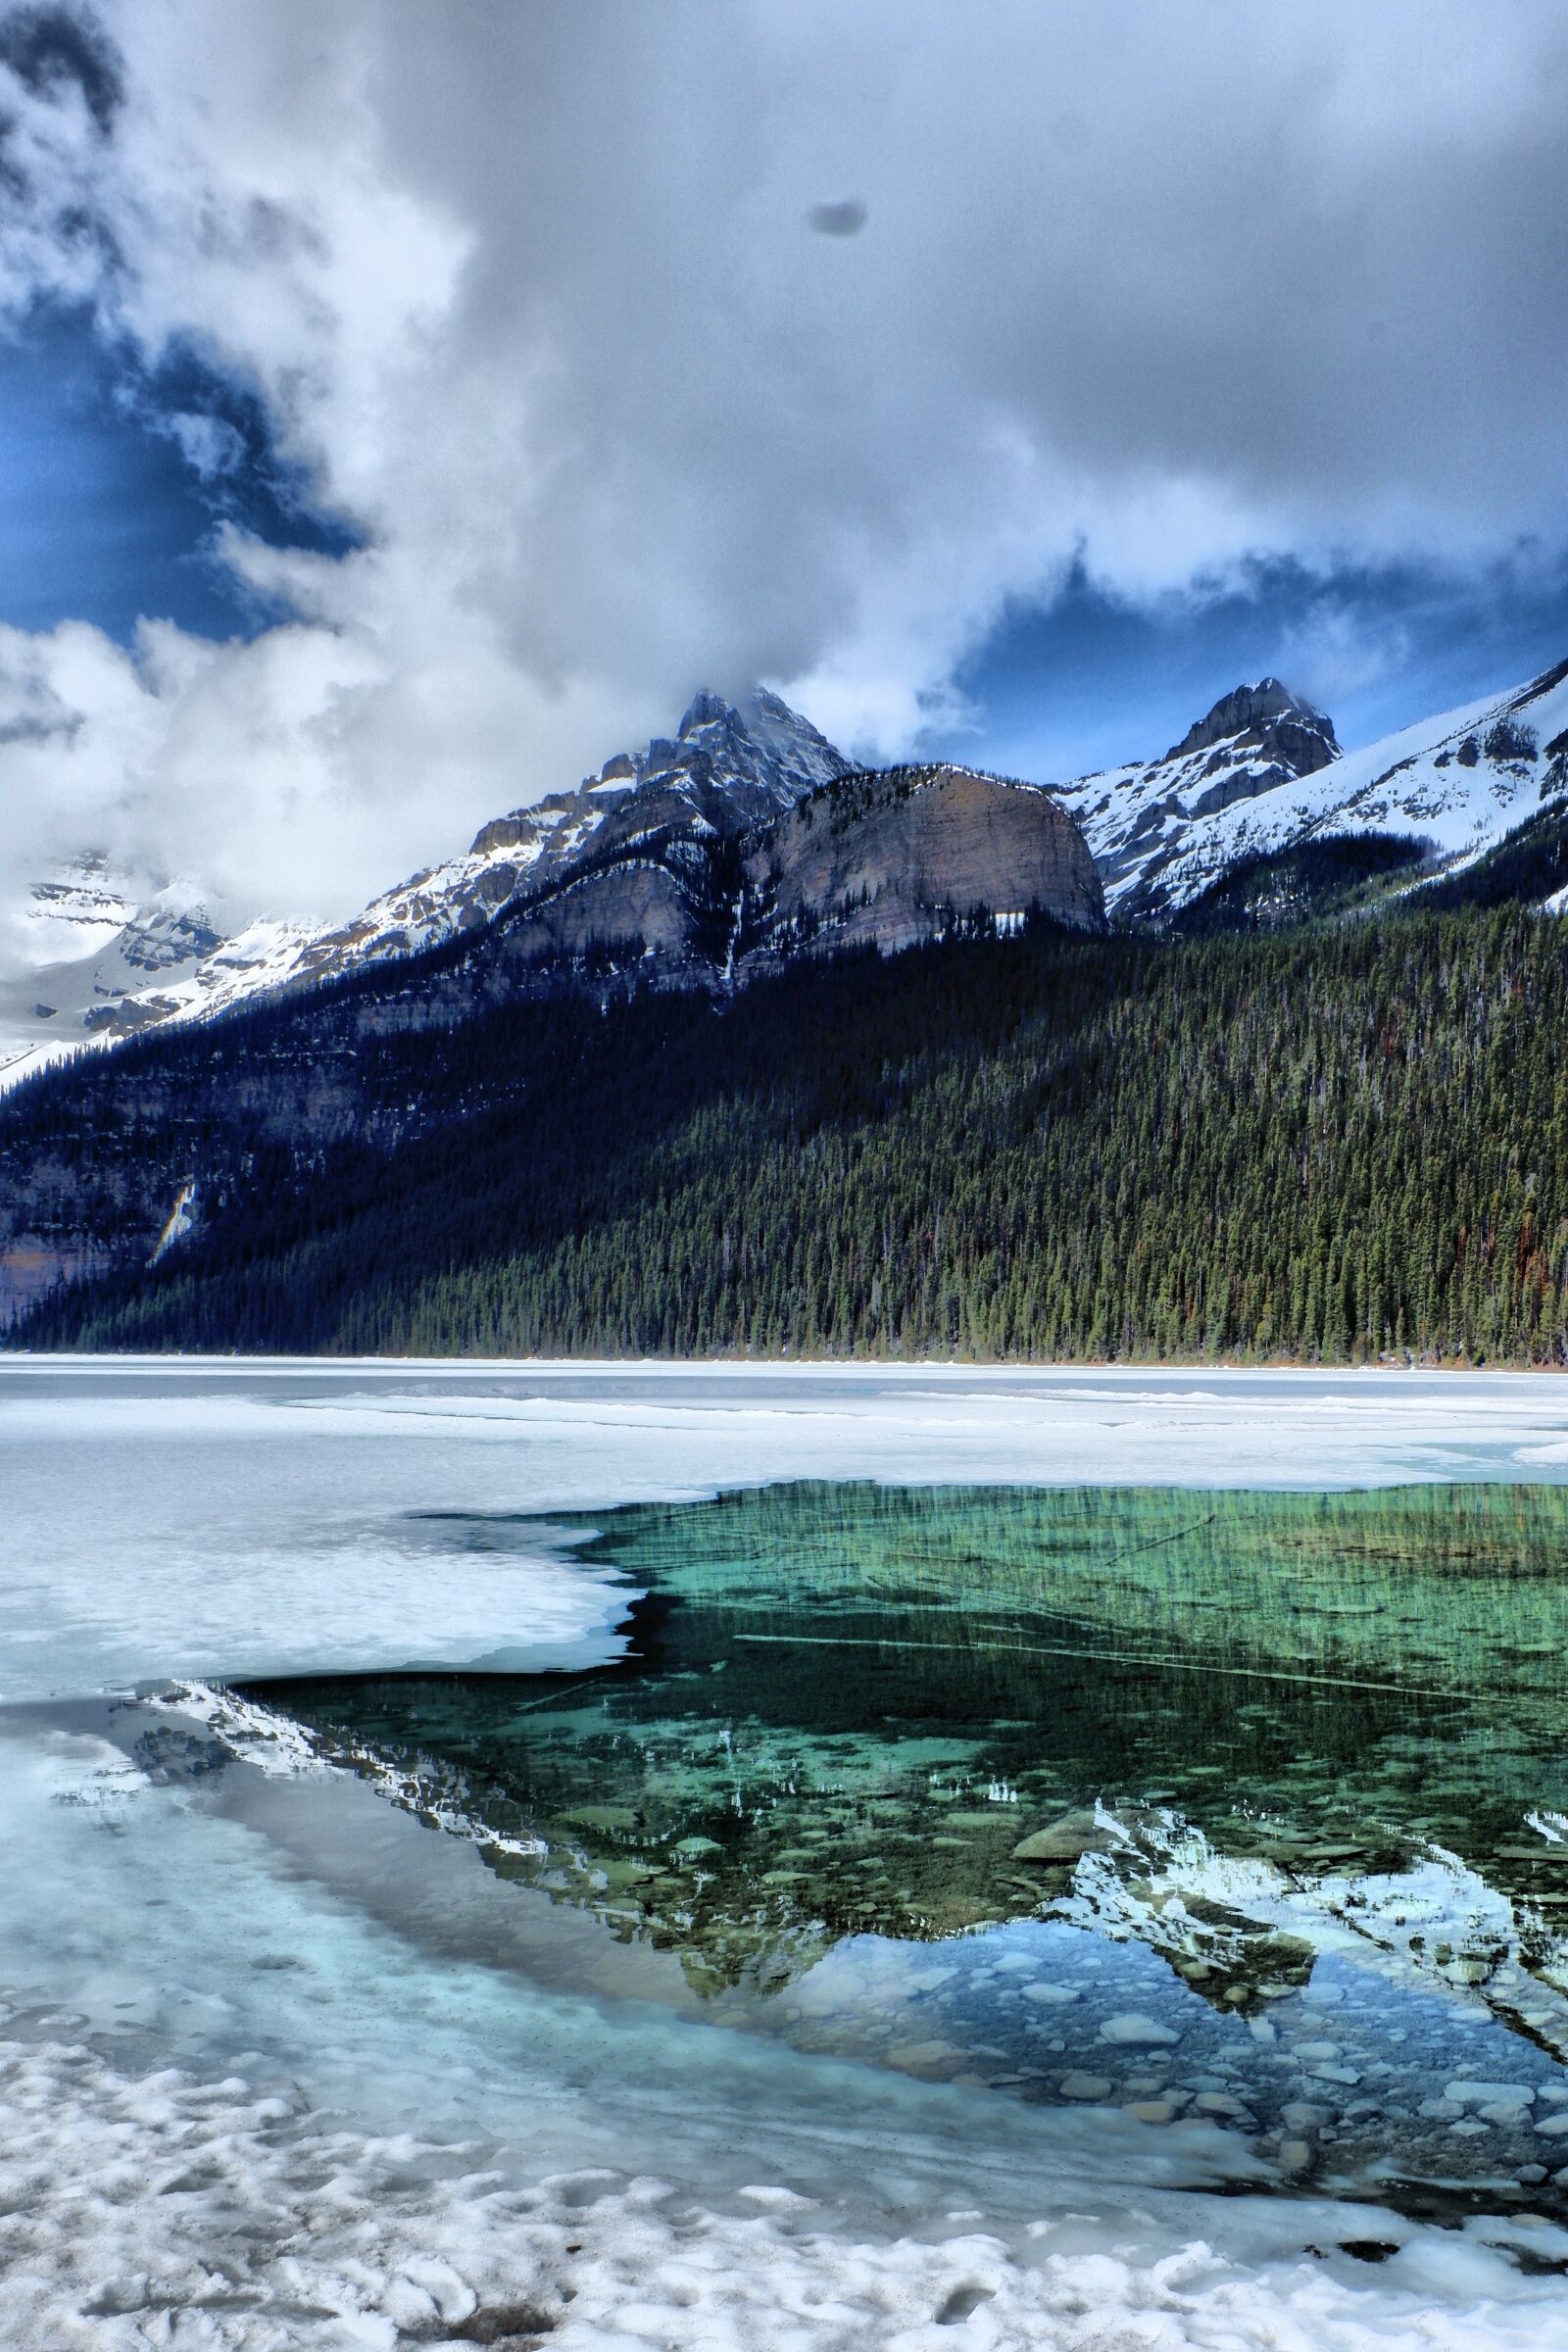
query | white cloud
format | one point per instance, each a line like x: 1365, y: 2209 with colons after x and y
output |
x: 1340, y: 650
x: 534, y: 299
x: 210, y: 446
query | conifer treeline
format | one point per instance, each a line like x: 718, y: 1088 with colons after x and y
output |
x: 1331, y: 1145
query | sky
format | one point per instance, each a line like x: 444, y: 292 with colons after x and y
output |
x: 402, y: 409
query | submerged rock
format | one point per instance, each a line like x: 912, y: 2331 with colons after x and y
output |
x: 1077, y: 2086
x: 1066, y: 1839
x: 1133, y: 2027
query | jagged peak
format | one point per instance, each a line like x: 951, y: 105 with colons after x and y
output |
x: 1250, y: 710
x: 704, y: 708
x: 760, y: 712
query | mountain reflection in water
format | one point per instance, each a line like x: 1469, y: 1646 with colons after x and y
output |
x: 1244, y: 1807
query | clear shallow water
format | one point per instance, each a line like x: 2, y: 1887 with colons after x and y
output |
x: 254, y: 2094
x: 1237, y: 1808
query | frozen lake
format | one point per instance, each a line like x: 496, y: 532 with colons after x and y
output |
x: 181, y: 1518
x: 720, y: 2005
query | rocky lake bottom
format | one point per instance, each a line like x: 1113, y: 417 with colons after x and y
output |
x: 1237, y: 1808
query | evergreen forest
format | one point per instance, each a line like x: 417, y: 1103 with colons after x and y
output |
x: 1337, y: 1144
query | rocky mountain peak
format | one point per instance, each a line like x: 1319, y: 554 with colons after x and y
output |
x: 1268, y: 717
x: 704, y: 710
x: 136, y: 958
x: 1254, y: 739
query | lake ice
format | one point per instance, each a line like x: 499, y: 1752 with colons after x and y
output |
x: 285, y: 2067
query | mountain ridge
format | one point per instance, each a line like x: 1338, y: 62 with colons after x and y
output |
x: 1162, y: 831
x: 728, y: 766
x: 637, y: 857
x: 1261, y: 770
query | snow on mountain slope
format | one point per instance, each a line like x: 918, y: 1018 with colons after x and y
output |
x: 726, y: 769
x: 87, y: 943
x: 77, y: 914
x: 97, y: 953
x: 1164, y: 831
x: 104, y: 956
x: 1135, y: 818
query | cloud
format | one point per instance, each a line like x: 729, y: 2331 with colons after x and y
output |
x: 210, y: 446
x: 1339, y: 649
x: 524, y: 297
x: 51, y: 49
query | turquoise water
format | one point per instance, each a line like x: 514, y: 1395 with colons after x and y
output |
x: 1239, y: 1808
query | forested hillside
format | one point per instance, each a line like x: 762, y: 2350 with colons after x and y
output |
x: 1328, y: 1144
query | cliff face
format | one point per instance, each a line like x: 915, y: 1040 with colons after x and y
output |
x: 891, y: 859
x: 639, y: 911
x: 883, y: 859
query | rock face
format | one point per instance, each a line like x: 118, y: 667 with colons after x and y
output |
x: 1268, y: 720
x: 641, y: 912
x: 882, y: 859
x: 890, y: 859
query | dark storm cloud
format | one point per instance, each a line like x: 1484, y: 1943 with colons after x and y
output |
x: 1174, y: 286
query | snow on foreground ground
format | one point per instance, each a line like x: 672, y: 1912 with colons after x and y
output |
x: 234, y: 2113
x: 239, y: 2110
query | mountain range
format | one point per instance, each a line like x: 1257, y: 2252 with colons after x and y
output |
x: 746, y: 837
x: 105, y: 966
x: 1250, y: 1050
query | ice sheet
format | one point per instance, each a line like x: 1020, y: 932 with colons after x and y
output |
x: 200, y: 1518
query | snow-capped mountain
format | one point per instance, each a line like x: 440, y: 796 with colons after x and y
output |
x: 1263, y: 770
x: 98, y: 954
x: 726, y: 769
x: 105, y: 954
x: 78, y: 913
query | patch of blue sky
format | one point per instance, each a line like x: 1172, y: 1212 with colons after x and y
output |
x: 114, y: 483
x: 1087, y: 680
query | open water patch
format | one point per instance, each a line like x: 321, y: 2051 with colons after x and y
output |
x: 1234, y: 1809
